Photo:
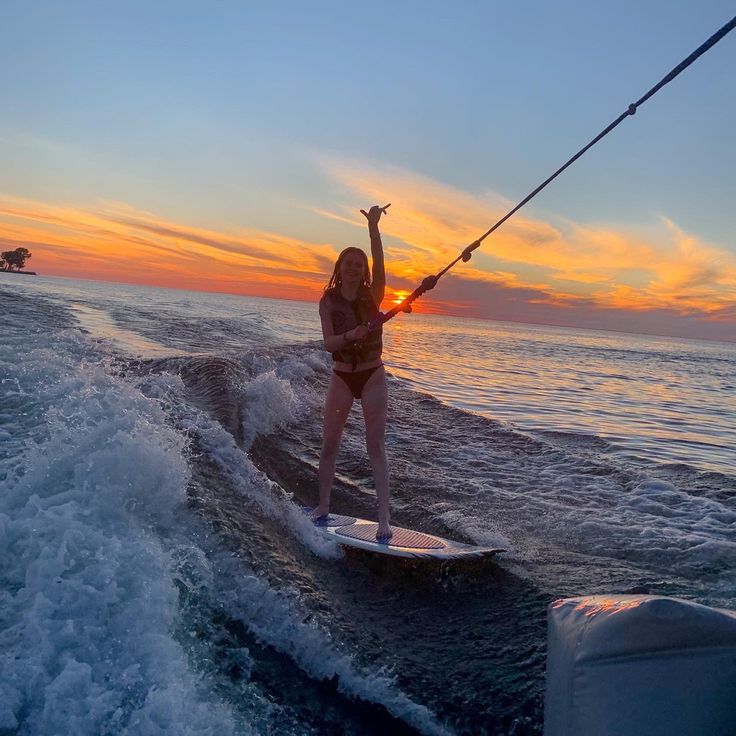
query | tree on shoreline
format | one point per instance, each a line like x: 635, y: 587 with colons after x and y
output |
x: 17, y: 258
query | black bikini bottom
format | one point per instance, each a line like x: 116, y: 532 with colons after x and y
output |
x: 356, y: 381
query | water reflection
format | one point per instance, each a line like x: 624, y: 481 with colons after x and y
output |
x: 662, y: 399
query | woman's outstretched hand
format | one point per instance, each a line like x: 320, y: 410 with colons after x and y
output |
x: 374, y: 213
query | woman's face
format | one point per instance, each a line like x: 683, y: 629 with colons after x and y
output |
x: 352, y: 268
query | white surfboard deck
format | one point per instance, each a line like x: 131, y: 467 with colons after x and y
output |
x: 361, y: 533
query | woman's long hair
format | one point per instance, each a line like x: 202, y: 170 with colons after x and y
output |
x: 336, y: 278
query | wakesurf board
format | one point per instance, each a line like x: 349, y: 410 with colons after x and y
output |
x: 361, y: 533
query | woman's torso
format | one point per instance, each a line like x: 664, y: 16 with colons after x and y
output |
x: 346, y: 315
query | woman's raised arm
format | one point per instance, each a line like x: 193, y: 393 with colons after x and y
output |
x: 378, y: 277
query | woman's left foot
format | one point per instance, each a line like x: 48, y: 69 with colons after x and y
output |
x: 384, y: 532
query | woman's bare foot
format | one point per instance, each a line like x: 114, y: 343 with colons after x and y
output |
x: 384, y: 531
x: 318, y: 512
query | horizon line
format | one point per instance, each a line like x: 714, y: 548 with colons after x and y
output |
x: 429, y: 314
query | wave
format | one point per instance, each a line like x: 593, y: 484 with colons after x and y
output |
x: 462, y: 474
x: 96, y: 481
x: 101, y: 555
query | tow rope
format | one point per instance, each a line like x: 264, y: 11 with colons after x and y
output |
x: 431, y: 281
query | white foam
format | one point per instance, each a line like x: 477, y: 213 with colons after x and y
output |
x: 276, y: 619
x: 480, y: 531
x: 553, y: 506
x: 101, y: 326
x: 88, y: 603
x: 268, y: 403
x: 234, y: 463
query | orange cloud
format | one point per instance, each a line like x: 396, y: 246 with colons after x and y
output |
x: 119, y: 243
x: 606, y: 276
x: 610, y: 266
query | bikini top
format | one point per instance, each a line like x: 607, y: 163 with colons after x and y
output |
x: 346, y: 315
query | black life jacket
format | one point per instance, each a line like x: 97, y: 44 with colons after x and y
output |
x: 345, y: 316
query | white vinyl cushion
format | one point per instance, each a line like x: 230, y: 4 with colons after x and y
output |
x: 639, y: 664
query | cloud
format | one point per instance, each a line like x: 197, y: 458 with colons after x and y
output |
x: 657, y: 279
x: 432, y: 219
x: 118, y: 242
x: 499, y: 301
x: 606, y: 266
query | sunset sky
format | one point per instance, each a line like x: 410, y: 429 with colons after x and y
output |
x: 229, y: 146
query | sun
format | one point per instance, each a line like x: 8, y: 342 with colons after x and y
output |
x: 399, y: 296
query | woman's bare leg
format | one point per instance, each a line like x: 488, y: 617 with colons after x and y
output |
x: 375, y: 406
x: 337, y: 407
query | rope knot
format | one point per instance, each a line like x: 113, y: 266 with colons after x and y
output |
x: 428, y: 283
x: 632, y: 108
x: 468, y: 252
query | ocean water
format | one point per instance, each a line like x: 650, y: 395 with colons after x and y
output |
x: 157, y: 577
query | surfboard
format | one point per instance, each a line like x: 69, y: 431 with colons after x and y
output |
x: 352, y: 531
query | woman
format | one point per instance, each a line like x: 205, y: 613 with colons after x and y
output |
x: 350, y: 300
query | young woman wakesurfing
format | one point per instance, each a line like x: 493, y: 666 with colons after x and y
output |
x: 351, y: 299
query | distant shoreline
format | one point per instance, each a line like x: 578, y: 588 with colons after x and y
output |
x: 24, y: 273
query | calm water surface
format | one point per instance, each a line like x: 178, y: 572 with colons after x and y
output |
x: 654, y: 399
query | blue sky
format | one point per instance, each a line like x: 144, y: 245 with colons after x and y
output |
x: 236, y: 115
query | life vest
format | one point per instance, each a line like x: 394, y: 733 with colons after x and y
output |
x: 345, y: 316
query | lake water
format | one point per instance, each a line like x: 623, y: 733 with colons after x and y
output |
x: 158, y: 576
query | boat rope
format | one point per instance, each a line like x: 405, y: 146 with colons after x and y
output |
x: 430, y: 281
